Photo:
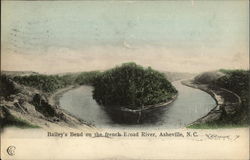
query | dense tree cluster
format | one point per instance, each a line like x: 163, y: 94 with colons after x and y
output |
x: 87, y: 78
x: 46, y: 83
x: 234, y: 80
x: 238, y: 82
x: 6, y: 86
x: 132, y: 86
x: 50, y: 83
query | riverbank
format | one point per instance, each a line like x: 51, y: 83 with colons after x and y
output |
x: 54, y: 98
x: 136, y: 115
x: 227, y: 104
x: 31, y: 107
x: 149, y: 107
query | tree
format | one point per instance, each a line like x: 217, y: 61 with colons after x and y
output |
x: 132, y: 86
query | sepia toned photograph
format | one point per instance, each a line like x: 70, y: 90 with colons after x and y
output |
x: 125, y: 79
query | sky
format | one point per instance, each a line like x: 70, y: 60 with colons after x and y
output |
x: 71, y: 36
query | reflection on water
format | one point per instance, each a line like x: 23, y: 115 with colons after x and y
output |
x: 190, y: 105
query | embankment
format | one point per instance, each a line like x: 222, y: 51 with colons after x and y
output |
x: 228, y: 104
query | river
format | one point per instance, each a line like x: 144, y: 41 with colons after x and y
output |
x: 190, y: 105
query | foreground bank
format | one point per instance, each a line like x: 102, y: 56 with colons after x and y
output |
x: 28, y: 107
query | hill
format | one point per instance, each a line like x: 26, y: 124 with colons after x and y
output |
x: 132, y: 86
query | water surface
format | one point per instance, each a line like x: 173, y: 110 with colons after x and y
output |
x: 190, y: 105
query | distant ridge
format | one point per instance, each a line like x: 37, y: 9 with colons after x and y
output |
x: 19, y: 73
x: 175, y: 76
x: 208, y: 77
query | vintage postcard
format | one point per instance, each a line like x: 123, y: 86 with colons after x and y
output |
x: 124, y: 79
